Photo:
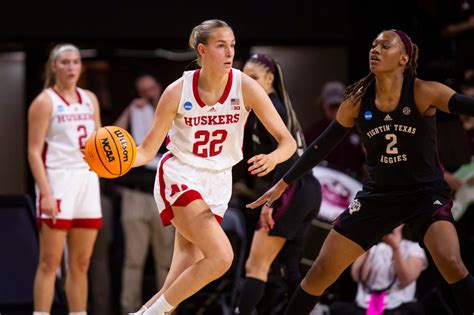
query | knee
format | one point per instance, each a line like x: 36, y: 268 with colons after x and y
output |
x: 48, y: 264
x: 79, y: 264
x: 321, y: 267
x: 255, y: 266
x: 322, y: 274
x: 221, y: 262
x: 453, y: 263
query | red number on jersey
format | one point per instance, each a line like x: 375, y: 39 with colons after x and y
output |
x: 205, y: 148
x: 82, y: 130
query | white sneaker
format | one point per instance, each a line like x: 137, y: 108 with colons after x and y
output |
x: 139, y: 312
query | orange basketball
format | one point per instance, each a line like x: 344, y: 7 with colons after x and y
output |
x: 110, y: 151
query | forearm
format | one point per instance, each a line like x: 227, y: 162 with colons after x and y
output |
x: 405, y: 273
x: 317, y: 151
x: 39, y: 173
x: 285, y: 149
x: 144, y: 155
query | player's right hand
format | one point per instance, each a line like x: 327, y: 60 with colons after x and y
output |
x: 269, y: 197
x: 49, y: 206
x: 266, y: 218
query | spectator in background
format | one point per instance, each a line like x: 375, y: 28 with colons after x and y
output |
x: 348, y: 156
x: 142, y: 227
x: 458, y: 25
x: 386, y: 278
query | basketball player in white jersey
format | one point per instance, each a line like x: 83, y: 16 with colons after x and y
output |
x: 60, y: 120
x: 204, y: 114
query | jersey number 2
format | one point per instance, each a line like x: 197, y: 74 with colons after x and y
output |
x: 391, y: 149
x: 209, y: 144
x: 82, y: 130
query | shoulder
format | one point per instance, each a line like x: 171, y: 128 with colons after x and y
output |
x: 172, y: 94
x: 42, y: 104
x: 429, y: 89
x: 91, y: 95
x: 431, y: 94
x: 251, y: 89
x: 249, y: 85
x: 173, y: 91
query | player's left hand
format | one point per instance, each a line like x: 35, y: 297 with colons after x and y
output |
x: 262, y: 164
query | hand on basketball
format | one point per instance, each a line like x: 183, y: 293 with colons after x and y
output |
x: 266, y: 218
x: 83, y: 151
x: 262, y: 164
x: 49, y: 206
x: 269, y: 197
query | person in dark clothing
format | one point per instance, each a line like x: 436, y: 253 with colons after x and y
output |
x: 348, y: 157
x: 395, y: 114
x: 286, y: 222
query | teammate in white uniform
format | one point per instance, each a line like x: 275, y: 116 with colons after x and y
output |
x: 204, y: 112
x: 60, y: 120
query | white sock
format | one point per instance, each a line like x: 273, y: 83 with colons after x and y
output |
x: 77, y: 313
x: 160, y: 307
x: 40, y: 313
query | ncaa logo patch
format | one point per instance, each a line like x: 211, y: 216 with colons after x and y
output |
x: 406, y: 110
x: 368, y: 115
x: 354, y: 206
x: 60, y: 108
x: 188, y: 106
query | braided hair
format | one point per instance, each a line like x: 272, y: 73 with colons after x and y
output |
x: 293, y: 123
x: 358, y: 89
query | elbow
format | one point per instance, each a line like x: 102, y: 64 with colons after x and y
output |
x: 293, y: 145
x: 32, y: 155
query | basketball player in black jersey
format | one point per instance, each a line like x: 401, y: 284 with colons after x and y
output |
x: 394, y: 112
x: 282, y: 227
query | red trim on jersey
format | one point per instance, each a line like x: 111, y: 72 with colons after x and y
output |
x: 167, y: 213
x: 186, y: 198
x: 79, y: 98
x: 66, y: 224
x: 224, y: 96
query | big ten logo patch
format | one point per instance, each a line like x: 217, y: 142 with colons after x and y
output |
x: 177, y: 188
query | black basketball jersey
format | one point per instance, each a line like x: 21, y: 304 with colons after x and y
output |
x: 401, y: 145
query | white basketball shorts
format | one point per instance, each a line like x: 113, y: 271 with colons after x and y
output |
x: 178, y: 184
x: 77, y: 193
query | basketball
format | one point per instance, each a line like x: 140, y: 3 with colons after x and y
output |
x: 110, y: 152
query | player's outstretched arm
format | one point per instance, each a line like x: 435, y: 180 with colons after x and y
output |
x: 315, y: 153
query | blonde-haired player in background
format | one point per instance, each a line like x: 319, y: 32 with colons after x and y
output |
x: 60, y: 120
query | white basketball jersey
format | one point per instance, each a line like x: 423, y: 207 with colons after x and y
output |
x: 69, y: 128
x: 209, y: 136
